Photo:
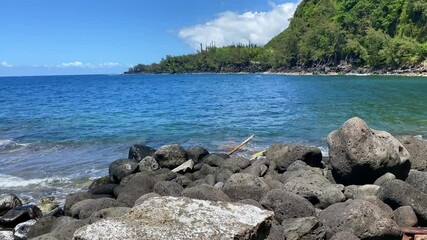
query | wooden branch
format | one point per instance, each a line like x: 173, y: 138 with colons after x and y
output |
x: 414, y: 230
x: 188, y: 164
x: 241, y: 145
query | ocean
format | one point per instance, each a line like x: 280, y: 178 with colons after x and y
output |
x: 57, y: 133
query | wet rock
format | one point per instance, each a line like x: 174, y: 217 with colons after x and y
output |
x: 308, y: 228
x: 197, y: 153
x: 148, y: 164
x: 287, y: 205
x: 360, y: 191
x: 86, y: 208
x: 418, y: 180
x: 74, y: 198
x: 64, y: 230
x: 144, y: 197
x: 245, y: 186
x: 170, y: 156
x: 397, y: 193
x: 183, y: 218
x: 19, y: 215
x: 138, y: 152
x: 21, y: 230
x: 364, y: 219
x: 167, y: 188
x: 7, y: 202
x: 113, y: 212
x: 418, y: 150
x: 344, y: 235
x: 107, y: 189
x: 281, y: 156
x: 138, y: 185
x: 405, y: 216
x: 100, y: 182
x: 205, y: 192
x: 122, y: 168
x: 236, y: 163
x: 359, y: 155
x: 384, y: 178
x: 214, y: 160
x: 42, y: 226
x: 313, y: 186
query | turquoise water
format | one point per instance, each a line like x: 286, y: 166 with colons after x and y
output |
x: 58, y: 131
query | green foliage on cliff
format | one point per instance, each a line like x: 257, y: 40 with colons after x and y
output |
x: 371, y: 33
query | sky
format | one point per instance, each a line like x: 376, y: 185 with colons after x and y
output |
x: 54, y: 37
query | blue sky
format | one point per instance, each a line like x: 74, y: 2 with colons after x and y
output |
x: 47, y: 37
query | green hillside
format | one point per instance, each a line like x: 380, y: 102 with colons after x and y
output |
x: 377, y: 34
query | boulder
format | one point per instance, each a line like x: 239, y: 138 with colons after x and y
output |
x: 405, y: 216
x: 251, y: 202
x: 204, y: 171
x: 136, y: 186
x: 168, y: 188
x: 183, y: 180
x: 165, y: 174
x: 236, y: 163
x: 21, y: 230
x: 138, y: 152
x: 359, y: 155
x: 7, y: 202
x: 245, y: 186
x: 107, y: 189
x: 86, y: 208
x: 307, y: 228
x: 144, y: 197
x: 360, y: 191
x: 183, y: 218
x: 313, y: 186
x: 384, y: 178
x: 196, y: 153
x: 63, y: 230
x: 280, y: 156
x: 418, y: 180
x: 74, y: 198
x: 365, y: 219
x: 276, y: 232
x: 418, y: 149
x: 148, y: 164
x: 287, y: 205
x: 122, y: 168
x: 205, y: 192
x: 100, y: 182
x: 223, y: 175
x: 19, y: 215
x: 112, y: 212
x: 170, y: 156
x: 42, y: 226
x: 397, y: 193
x: 214, y: 160
x: 375, y: 200
x: 344, y: 235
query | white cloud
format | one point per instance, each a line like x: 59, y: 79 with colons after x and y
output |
x: 78, y: 64
x: 232, y: 28
x: 75, y: 64
x: 109, y: 64
x: 5, y: 64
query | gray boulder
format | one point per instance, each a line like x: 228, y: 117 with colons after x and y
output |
x: 280, y: 156
x: 21, y: 230
x: 245, y: 186
x: 251, y: 202
x: 308, y: 228
x: 148, y: 164
x: 384, y: 178
x: 183, y: 180
x: 168, y: 188
x: 74, y: 198
x: 139, y: 151
x: 397, y: 193
x: 418, y: 150
x: 19, y: 215
x: 6, y: 235
x: 344, y: 235
x: 196, y: 153
x: 136, y: 186
x: 183, y: 218
x: 170, y: 156
x: 223, y: 175
x: 405, y: 216
x: 144, y: 197
x: 99, y: 182
x: 313, y: 186
x: 287, y: 205
x: 122, y: 168
x: 64, y: 230
x: 236, y: 163
x: 205, y: 192
x: 112, y: 212
x: 418, y: 180
x: 7, y: 202
x: 107, y: 189
x: 359, y: 155
x: 86, y: 208
x: 364, y: 219
x: 360, y: 191
x: 214, y: 160
x: 375, y: 200
x: 204, y: 171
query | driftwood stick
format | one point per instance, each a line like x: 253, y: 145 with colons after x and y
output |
x: 414, y: 230
x: 241, y: 145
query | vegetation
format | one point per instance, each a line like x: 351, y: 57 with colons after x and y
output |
x: 370, y: 33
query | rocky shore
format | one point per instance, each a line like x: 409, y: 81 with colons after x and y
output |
x: 370, y: 187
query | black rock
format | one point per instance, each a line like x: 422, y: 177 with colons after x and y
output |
x: 7, y: 202
x: 107, y: 189
x: 205, y: 192
x: 74, y: 198
x: 122, y: 168
x: 280, y: 156
x: 214, y: 160
x: 168, y: 188
x: 138, y: 152
x: 20, y: 214
x: 170, y: 156
x: 197, y: 153
x: 136, y: 185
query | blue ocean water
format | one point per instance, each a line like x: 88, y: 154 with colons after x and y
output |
x: 57, y: 132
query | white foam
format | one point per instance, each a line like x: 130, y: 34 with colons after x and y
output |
x: 325, y: 151
x: 10, y: 144
x: 8, y: 181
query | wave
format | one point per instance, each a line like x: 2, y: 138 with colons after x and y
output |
x: 8, y: 181
x: 10, y: 145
